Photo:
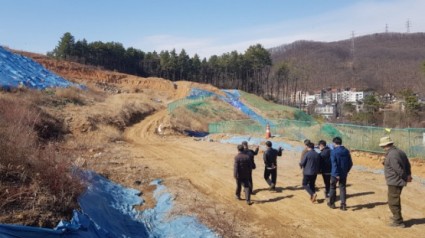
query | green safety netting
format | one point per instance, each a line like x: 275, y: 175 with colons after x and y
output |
x: 364, y: 138
x: 184, y: 102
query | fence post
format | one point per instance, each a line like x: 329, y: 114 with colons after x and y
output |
x: 410, y: 147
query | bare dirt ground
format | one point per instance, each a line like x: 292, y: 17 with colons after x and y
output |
x: 285, y: 213
x: 199, y: 174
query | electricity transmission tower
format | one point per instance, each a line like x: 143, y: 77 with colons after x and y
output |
x: 408, y: 25
x: 352, y: 44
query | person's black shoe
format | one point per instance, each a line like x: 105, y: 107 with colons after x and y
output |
x: 343, y: 207
x: 397, y: 224
x: 313, y: 198
x: 331, y: 206
x: 238, y: 197
x: 249, y: 203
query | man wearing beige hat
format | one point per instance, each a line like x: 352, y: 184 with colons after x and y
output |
x: 397, y: 174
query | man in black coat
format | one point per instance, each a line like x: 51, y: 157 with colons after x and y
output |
x: 311, y: 167
x: 251, y: 154
x: 270, y: 162
x: 242, y: 172
x: 325, y: 166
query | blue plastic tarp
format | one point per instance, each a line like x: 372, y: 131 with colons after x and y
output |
x: 196, y: 133
x: 80, y: 226
x: 17, y: 70
x: 233, y: 98
x: 258, y: 141
x: 108, y: 211
x: 159, y: 223
x: 111, y: 207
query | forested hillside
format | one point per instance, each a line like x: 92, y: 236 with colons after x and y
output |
x: 385, y: 62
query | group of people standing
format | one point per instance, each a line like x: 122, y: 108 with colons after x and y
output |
x: 244, y: 164
x: 334, y: 165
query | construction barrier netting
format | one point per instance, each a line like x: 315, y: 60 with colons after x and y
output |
x: 364, y: 138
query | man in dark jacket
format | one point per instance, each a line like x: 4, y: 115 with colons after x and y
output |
x: 270, y: 164
x: 242, y: 172
x: 325, y: 166
x: 397, y: 174
x: 311, y: 167
x: 306, y: 142
x: 341, y: 164
x: 251, y: 154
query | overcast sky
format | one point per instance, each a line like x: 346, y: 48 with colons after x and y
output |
x: 205, y: 27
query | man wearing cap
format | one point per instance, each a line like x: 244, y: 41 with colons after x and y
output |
x: 242, y: 173
x: 270, y: 164
x: 251, y: 154
x: 397, y: 174
x: 341, y: 163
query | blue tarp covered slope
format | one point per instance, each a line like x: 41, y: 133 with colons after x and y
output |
x: 108, y: 211
x: 16, y: 70
x: 233, y: 98
x: 159, y: 223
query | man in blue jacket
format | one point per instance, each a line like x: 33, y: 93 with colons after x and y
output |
x: 341, y: 165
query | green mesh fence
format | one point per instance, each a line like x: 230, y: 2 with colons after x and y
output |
x: 364, y: 138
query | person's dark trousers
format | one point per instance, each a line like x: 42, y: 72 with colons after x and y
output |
x: 342, y: 190
x: 394, y: 202
x: 309, y: 184
x: 246, y: 185
x: 327, y: 181
x: 251, y: 187
x: 273, y: 174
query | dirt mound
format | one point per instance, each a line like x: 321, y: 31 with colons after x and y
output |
x: 103, y: 79
x: 372, y: 160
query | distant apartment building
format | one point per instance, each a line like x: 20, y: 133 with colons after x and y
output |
x: 309, y: 99
x: 327, y: 100
x: 326, y: 110
x: 352, y: 96
x: 328, y: 96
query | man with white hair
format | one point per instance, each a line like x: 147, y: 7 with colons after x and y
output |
x: 397, y: 174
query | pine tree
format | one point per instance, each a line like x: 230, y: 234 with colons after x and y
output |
x: 65, y: 47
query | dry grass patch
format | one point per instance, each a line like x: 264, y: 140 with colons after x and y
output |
x: 37, y: 184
